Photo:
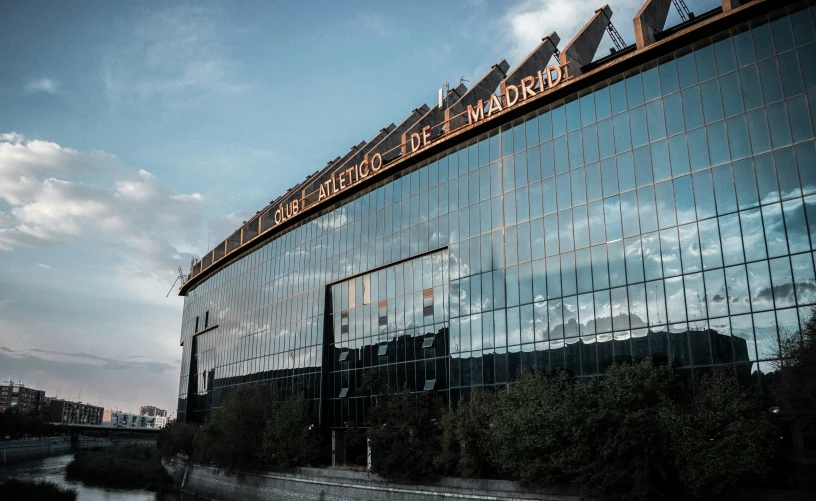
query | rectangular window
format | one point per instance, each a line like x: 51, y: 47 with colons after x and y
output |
x: 344, y: 322
x: 427, y: 302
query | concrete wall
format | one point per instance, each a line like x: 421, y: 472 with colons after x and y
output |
x: 314, y: 484
x: 339, y: 485
x: 24, y: 450
x: 14, y: 451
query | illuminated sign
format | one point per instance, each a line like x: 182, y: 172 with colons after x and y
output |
x: 515, y: 94
x: 343, y: 179
x: 338, y: 181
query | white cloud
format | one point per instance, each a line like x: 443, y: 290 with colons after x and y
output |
x: 109, y: 381
x: 59, y: 195
x: 224, y: 226
x: 531, y: 20
x: 11, y: 137
x: 41, y: 265
x: 46, y: 85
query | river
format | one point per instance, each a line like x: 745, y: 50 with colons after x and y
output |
x: 52, y: 469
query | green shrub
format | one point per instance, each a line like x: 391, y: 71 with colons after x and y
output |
x: 32, y: 490
x: 290, y: 437
x: 794, y: 382
x: 633, y: 435
x: 15, y: 424
x: 529, y: 437
x: 232, y: 437
x: 252, y: 430
x: 617, y: 433
x: 177, y: 438
x: 724, y: 438
x: 463, y: 448
x: 404, y: 435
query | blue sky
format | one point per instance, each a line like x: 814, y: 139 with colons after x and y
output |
x: 131, y: 134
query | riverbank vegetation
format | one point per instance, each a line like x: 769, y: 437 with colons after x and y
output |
x: 15, y: 424
x: 131, y: 466
x: 34, y: 490
x: 250, y: 431
x: 637, y: 431
x: 643, y: 431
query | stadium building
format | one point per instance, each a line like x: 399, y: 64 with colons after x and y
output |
x: 567, y: 213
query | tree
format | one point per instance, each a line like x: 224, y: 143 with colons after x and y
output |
x: 722, y: 439
x: 177, y: 438
x: 617, y: 435
x: 464, y: 449
x: 794, y: 387
x: 230, y: 440
x: 634, y: 435
x: 529, y: 438
x: 16, y: 424
x: 403, y: 433
x: 290, y: 437
x: 603, y: 435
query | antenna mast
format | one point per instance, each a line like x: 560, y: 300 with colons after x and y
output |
x: 443, y: 96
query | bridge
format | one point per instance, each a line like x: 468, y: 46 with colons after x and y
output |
x: 79, y: 428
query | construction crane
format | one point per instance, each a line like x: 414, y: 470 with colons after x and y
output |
x: 180, y: 278
x: 685, y: 13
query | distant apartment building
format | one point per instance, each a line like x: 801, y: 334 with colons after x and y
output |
x: 149, y: 410
x: 64, y: 411
x: 127, y: 420
x: 161, y: 421
x: 16, y: 395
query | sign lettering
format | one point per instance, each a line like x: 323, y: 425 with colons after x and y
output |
x: 341, y: 180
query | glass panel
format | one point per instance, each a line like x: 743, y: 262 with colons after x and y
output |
x: 690, y: 248
x: 760, y: 284
x: 804, y: 279
x: 737, y: 287
x: 583, y: 265
x: 731, y: 239
x: 752, y: 235
x: 774, y: 230
x: 715, y: 293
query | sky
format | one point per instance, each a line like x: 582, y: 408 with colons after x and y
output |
x: 136, y: 135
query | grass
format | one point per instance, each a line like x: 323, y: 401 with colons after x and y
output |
x: 123, y: 467
x: 32, y: 490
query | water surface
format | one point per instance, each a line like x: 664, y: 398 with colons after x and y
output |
x: 52, y: 469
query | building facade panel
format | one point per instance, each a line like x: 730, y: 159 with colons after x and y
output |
x: 669, y: 211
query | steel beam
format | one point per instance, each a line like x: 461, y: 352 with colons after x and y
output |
x: 650, y: 20
x: 357, y: 153
x: 388, y: 147
x: 732, y: 4
x: 536, y: 60
x: 433, y: 118
x: 455, y: 115
x: 581, y: 49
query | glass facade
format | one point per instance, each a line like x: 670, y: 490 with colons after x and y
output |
x: 667, y: 212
